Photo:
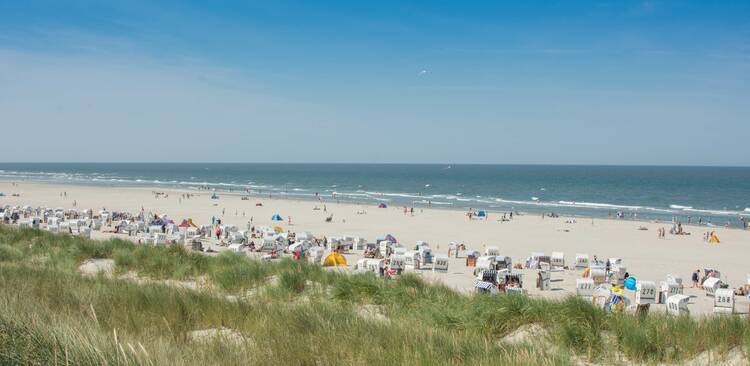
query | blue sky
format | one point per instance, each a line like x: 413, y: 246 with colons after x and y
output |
x: 604, y: 82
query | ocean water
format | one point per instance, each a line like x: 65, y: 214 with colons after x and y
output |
x: 715, y: 194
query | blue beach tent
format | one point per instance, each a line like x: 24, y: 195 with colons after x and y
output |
x: 276, y: 217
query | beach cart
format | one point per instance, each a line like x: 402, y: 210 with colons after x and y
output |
x: 557, y: 260
x: 582, y: 261
x: 678, y: 305
x: 645, y: 292
x: 724, y: 301
x: 585, y: 287
x: 440, y: 263
x: 711, y: 285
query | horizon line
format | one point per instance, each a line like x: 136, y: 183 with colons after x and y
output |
x: 379, y: 163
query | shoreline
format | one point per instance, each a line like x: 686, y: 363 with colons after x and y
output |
x: 420, y: 206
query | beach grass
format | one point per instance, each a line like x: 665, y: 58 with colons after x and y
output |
x: 290, y: 312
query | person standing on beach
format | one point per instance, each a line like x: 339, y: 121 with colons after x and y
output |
x: 695, y: 278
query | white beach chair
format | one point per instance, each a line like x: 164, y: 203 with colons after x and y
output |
x: 314, y: 255
x: 557, y: 260
x: 492, y: 251
x: 440, y: 262
x: 396, y: 262
x: 601, y: 295
x: 678, y: 305
x: 585, y: 287
x: 618, y: 274
x: 543, y: 280
x: 359, y: 243
x: 374, y: 265
x: 84, y: 231
x: 582, y: 261
x: 598, y: 275
x: 724, y: 301
x: 645, y: 292
x: 669, y: 289
x: 711, y: 285
x: 411, y: 260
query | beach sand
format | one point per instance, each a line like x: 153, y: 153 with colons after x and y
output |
x: 646, y: 256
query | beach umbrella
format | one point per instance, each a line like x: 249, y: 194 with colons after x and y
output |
x: 630, y: 283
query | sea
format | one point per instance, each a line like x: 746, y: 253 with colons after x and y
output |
x: 713, y: 195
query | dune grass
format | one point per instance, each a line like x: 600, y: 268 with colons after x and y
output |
x: 305, y: 315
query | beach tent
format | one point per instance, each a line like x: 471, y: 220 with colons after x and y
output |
x: 390, y: 238
x: 481, y: 213
x: 382, y: 205
x: 714, y: 239
x: 184, y: 224
x: 276, y: 217
x: 214, y: 196
x: 278, y: 229
x: 334, y: 260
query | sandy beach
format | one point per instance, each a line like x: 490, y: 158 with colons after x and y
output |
x: 646, y: 256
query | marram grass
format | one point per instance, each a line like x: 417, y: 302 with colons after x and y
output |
x: 291, y: 313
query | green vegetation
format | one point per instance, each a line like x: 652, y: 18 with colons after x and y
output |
x: 293, y: 313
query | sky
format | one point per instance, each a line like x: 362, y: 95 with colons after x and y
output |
x: 518, y: 82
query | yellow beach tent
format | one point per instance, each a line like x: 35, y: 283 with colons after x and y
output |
x: 278, y: 229
x: 334, y: 260
x: 714, y: 239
